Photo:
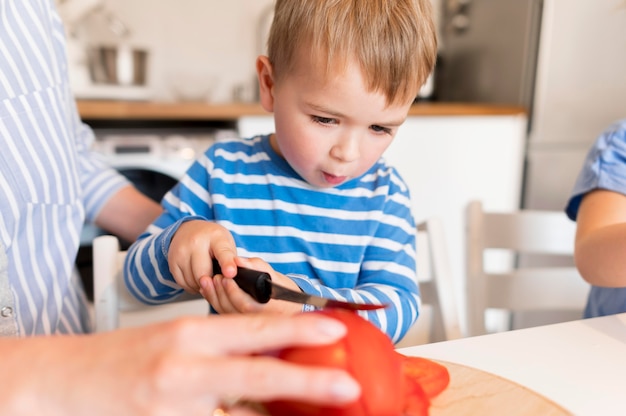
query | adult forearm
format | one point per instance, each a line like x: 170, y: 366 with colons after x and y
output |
x: 601, y: 256
x: 182, y: 367
x: 37, y: 370
x: 128, y: 213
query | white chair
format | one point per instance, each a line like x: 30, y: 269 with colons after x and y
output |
x: 115, y: 307
x: 439, y: 320
x: 507, y: 283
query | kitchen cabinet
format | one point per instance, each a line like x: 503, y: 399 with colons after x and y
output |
x: 202, y: 111
x: 448, y: 161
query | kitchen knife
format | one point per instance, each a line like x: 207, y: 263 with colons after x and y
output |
x: 259, y: 285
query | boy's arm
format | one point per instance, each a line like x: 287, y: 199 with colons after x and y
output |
x: 146, y: 269
x: 387, y: 275
x: 382, y: 286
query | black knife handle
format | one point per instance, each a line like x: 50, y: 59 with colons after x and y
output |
x: 255, y: 283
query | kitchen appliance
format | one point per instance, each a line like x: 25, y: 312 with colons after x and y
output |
x: 563, y: 60
x: 580, y: 90
x: 117, y: 65
x: 489, y: 49
x: 259, y: 285
x: 99, y: 69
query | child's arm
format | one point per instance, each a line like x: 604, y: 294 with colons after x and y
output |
x: 600, y: 252
x: 399, y: 292
x: 386, y: 275
x: 397, y: 288
x: 160, y: 266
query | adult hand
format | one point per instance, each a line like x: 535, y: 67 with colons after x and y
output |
x: 188, y: 366
x: 226, y: 296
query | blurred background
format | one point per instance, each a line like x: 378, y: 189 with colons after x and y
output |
x: 520, y: 91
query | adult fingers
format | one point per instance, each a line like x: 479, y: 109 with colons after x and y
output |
x: 264, y: 378
x: 262, y: 332
x: 243, y: 334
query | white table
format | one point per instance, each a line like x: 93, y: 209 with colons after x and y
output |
x: 580, y: 365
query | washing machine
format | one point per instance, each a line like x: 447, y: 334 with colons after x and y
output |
x: 152, y: 162
x: 153, y: 159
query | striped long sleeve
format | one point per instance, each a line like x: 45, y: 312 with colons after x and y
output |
x: 353, y: 242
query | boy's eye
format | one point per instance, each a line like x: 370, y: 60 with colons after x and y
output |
x: 381, y: 129
x: 323, y: 120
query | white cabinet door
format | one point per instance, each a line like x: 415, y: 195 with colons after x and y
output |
x: 448, y: 161
x: 250, y: 126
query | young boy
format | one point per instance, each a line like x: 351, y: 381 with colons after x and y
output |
x: 314, y: 200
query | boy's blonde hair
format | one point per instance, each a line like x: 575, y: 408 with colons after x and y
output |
x: 394, y: 41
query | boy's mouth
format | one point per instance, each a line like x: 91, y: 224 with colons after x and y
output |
x: 333, y: 179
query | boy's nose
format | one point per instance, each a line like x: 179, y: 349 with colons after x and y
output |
x: 346, y: 149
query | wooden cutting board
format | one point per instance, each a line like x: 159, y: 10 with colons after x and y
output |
x: 476, y: 392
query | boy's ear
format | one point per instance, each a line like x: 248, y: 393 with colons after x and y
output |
x: 265, y: 73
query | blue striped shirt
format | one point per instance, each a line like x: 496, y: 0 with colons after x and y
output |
x: 604, y: 168
x: 353, y: 242
x: 49, y: 180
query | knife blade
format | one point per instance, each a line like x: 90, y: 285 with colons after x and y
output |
x: 259, y: 285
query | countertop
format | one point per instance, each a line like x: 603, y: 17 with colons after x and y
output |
x: 142, y: 110
x: 579, y: 365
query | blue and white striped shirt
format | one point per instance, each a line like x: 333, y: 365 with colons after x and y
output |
x: 604, y: 168
x: 353, y: 242
x: 49, y: 180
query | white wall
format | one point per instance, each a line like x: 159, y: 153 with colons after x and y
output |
x: 196, y: 41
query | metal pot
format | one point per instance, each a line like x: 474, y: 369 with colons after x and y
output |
x: 117, y: 65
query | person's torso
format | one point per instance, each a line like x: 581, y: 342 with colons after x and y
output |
x: 41, y: 211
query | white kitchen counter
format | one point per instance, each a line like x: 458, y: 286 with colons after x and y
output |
x: 579, y: 365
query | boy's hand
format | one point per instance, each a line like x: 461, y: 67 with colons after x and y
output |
x: 225, y: 296
x: 192, y: 249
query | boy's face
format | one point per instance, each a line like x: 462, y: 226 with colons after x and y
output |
x: 329, y: 129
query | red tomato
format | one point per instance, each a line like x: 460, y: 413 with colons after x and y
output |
x: 416, y: 401
x: 431, y: 376
x: 368, y: 355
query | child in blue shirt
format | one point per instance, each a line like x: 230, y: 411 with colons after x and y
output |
x: 313, y: 204
x: 598, y: 205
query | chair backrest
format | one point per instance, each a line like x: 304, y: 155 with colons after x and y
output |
x: 439, y: 320
x: 112, y: 299
x: 506, y: 283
